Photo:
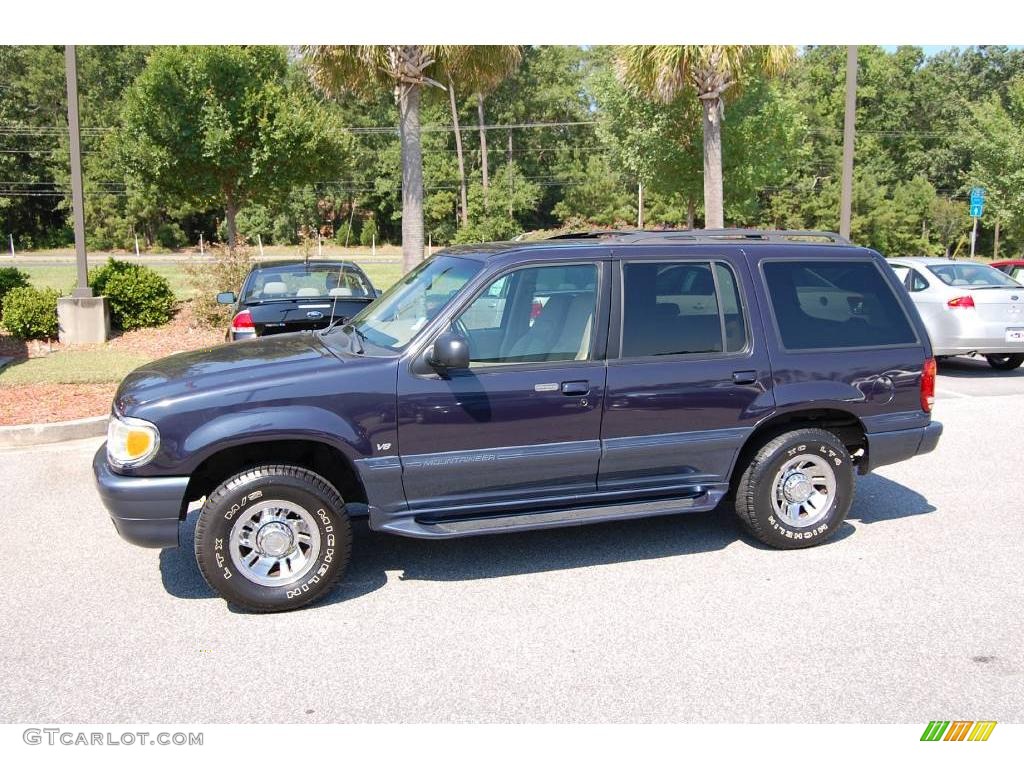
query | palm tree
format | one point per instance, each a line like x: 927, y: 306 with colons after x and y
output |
x: 406, y: 69
x: 665, y: 72
x: 479, y: 69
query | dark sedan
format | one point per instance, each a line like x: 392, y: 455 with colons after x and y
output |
x: 286, y: 296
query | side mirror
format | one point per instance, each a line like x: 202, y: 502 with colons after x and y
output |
x: 450, y: 351
x: 378, y: 292
x: 228, y: 297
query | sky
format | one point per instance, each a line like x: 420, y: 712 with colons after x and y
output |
x: 931, y: 50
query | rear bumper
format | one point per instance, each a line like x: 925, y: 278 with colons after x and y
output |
x: 972, y: 334
x: 146, y: 511
x: 983, y: 347
x: 900, y: 445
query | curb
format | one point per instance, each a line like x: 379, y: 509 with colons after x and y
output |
x: 59, y: 431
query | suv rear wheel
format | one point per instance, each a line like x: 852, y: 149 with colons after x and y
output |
x: 1005, y: 362
x: 796, y: 490
x: 273, y: 538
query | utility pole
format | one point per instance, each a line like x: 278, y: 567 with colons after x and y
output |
x: 849, y: 121
x: 82, y: 290
x: 81, y: 317
x: 511, y: 176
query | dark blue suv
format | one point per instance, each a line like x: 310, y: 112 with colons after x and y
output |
x: 517, y: 386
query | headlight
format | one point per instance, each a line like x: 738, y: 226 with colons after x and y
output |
x: 131, y: 442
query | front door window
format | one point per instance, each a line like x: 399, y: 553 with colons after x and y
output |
x: 535, y: 314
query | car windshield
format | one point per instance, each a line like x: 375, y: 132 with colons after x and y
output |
x: 306, y: 281
x: 394, y: 319
x: 973, y: 276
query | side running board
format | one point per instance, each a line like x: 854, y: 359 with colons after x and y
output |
x: 702, y: 500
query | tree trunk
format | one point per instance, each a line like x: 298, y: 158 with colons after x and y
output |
x: 412, y: 174
x: 458, y: 152
x: 230, y: 212
x: 995, y: 247
x: 691, y: 214
x: 483, y: 144
x: 713, y: 216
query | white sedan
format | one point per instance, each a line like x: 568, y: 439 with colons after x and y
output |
x: 968, y: 308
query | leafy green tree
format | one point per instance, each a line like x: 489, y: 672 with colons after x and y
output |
x: 406, y: 69
x: 221, y: 126
x: 994, y: 133
x: 595, y: 196
x: 710, y: 72
x: 477, y: 69
x: 948, y: 222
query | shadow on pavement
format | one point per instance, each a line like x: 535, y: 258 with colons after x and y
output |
x: 974, y: 368
x: 879, y: 499
x: 484, y: 557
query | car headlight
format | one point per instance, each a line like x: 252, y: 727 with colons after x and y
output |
x: 131, y: 442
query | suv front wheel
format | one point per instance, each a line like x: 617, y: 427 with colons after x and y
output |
x: 796, y: 490
x: 273, y: 538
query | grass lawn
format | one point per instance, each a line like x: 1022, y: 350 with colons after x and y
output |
x: 74, y: 383
x: 63, y: 277
x: 73, y: 366
x: 382, y: 275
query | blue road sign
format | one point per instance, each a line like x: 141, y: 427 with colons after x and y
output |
x: 977, y: 210
x: 977, y: 196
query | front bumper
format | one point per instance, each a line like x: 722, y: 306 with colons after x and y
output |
x: 900, y: 445
x: 145, y: 510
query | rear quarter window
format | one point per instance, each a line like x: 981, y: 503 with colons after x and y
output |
x: 834, y: 305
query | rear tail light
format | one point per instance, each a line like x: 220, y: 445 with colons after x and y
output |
x: 961, y: 302
x: 242, y: 326
x: 928, y: 385
x: 243, y: 320
x: 535, y: 309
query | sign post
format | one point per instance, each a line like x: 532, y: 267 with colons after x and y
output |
x: 977, y: 209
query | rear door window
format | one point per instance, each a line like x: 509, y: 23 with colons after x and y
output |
x: 834, y: 304
x: 680, y: 308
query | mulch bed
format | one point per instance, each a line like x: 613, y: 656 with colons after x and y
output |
x: 45, y: 403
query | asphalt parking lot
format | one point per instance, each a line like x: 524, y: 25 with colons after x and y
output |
x: 912, y: 613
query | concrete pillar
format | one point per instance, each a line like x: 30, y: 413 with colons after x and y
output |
x: 83, y: 320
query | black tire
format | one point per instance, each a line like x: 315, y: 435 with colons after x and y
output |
x: 755, y: 490
x: 1005, y: 362
x: 323, y: 561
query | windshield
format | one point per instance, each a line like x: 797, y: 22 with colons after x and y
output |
x: 397, y: 316
x: 973, y: 276
x: 306, y: 281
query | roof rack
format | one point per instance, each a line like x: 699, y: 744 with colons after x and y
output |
x: 594, y: 234
x: 712, y: 235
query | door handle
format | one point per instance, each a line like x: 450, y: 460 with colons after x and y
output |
x: 575, y: 388
x: 744, y: 377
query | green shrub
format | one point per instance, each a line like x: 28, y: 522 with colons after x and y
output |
x: 31, y: 313
x: 345, y: 234
x: 170, y: 235
x: 138, y: 296
x: 11, y: 278
x: 369, y: 233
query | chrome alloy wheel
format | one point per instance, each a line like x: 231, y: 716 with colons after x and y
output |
x: 804, y: 490
x: 274, y: 543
